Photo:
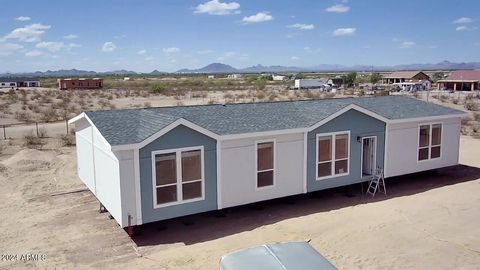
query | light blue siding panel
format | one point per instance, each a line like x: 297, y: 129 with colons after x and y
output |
x: 178, y: 137
x: 358, y: 124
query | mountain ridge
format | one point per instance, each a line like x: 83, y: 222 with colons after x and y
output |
x: 224, y: 68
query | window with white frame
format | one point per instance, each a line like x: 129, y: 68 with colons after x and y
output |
x: 332, y: 154
x: 178, y: 176
x: 429, y: 141
x: 265, y: 164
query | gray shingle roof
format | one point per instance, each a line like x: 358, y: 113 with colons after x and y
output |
x: 135, y: 125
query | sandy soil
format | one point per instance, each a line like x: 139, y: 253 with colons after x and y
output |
x: 428, y: 221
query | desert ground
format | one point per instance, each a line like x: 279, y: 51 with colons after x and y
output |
x: 428, y: 221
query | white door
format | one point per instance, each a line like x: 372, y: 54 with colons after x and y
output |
x: 369, y: 148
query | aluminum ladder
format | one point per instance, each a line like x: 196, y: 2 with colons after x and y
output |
x: 377, y: 183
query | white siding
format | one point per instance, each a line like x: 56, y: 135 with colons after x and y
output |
x: 238, y: 176
x: 402, y: 147
x: 83, y: 138
x: 99, y: 168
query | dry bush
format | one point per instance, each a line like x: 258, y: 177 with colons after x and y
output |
x: 147, y: 105
x: 24, y: 116
x: 42, y: 133
x: 443, y: 98
x: 476, y: 116
x: 31, y: 141
x: 471, y: 105
x: 260, y: 95
x: 68, y: 140
x: 465, y: 121
x: 49, y: 115
x: 455, y: 101
x: 227, y: 96
x: 329, y: 95
x: 311, y: 95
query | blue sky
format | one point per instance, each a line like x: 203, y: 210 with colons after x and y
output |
x: 167, y: 35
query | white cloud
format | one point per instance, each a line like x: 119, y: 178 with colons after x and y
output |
x: 142, y: 52
x: 50, y: 46
x: 258, y: 18
x: 216, y: 7
x: 34, y: 53
x: 173, y: 61
x: 120, y: 36
x: 109, y: 47
x: 294, y: 58
x: 463, y: 28
x: 9, y: 48
x: 148, y: 58
x: 407, y: 44
x: 310, y: 50
x: 344, y: 32
x: 171, y: 50
x: 29, y: 33
x: 205, y: 51
x: 338, y: 8
x: 302, y: 26
x: 23, y: 18
x: 73, y: 45
x: 463, y: 20
x: 70, y: 36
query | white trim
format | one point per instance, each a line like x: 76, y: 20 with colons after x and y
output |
x: 179, y: 183
x: 305, y: 167
x: 219, y: 175
x: 257, y: 188
x: 385, y: 151
x: 427, y: 119
x: 166, y: 129
x: 429, y: 146
x: 333, y: 136
x: 374, y: 166
x: 138, y: 193
x: 84, y: 115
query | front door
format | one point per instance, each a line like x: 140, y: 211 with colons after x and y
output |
x: 369, y: 148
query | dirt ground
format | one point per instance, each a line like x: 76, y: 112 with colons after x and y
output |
x: 428, y: 221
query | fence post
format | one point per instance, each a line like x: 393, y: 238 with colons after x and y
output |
x: 4, y: 133
x: 66, y: 123
x: 36, y: 126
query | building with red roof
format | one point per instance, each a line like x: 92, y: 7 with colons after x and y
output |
x: 461, y: 80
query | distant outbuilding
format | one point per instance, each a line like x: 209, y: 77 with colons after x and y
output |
x: 16, y: 82
x: 81, y: 83
x: 405, y: 76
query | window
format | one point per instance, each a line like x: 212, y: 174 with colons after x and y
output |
x: 178, y: 176
x: 429, y: 141
x: 332, y: 154
x: 265, y: 158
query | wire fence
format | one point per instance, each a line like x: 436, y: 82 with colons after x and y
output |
x: 38, y: 129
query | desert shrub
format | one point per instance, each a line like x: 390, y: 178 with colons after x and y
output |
x: 23, y: 116
x: 311, y: 95
x: 147, y: 104
x: 471, y: 105
x: 260, y: 95
x: 49, y: 115
x: 32, y: 141
x: 465, y: 121
x: 42, y: 133
x: 456, y: 101
x: 159, y: 89
x: 476, y: 116
x: 272, y: 97
x: 443, y: 98
x: 68, y: 140
x: 228, y: 96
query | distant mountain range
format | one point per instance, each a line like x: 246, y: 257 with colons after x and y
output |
x: 223, y: 68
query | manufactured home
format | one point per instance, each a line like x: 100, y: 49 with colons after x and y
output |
x: 309, y: 83
x: 146, y: 165
x: 15, y: 82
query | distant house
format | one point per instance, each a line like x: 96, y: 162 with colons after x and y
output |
x: 337, y: 81
x: 127, y: 79
x: 81, y: 83
x: 404, y: 76
x: 462, y: 80
x: 234, y: 76
x: 16, y: 82
x: 211, y: 77
x: 279, y: 77
x: 147, y: 165
x: 309, y: 83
